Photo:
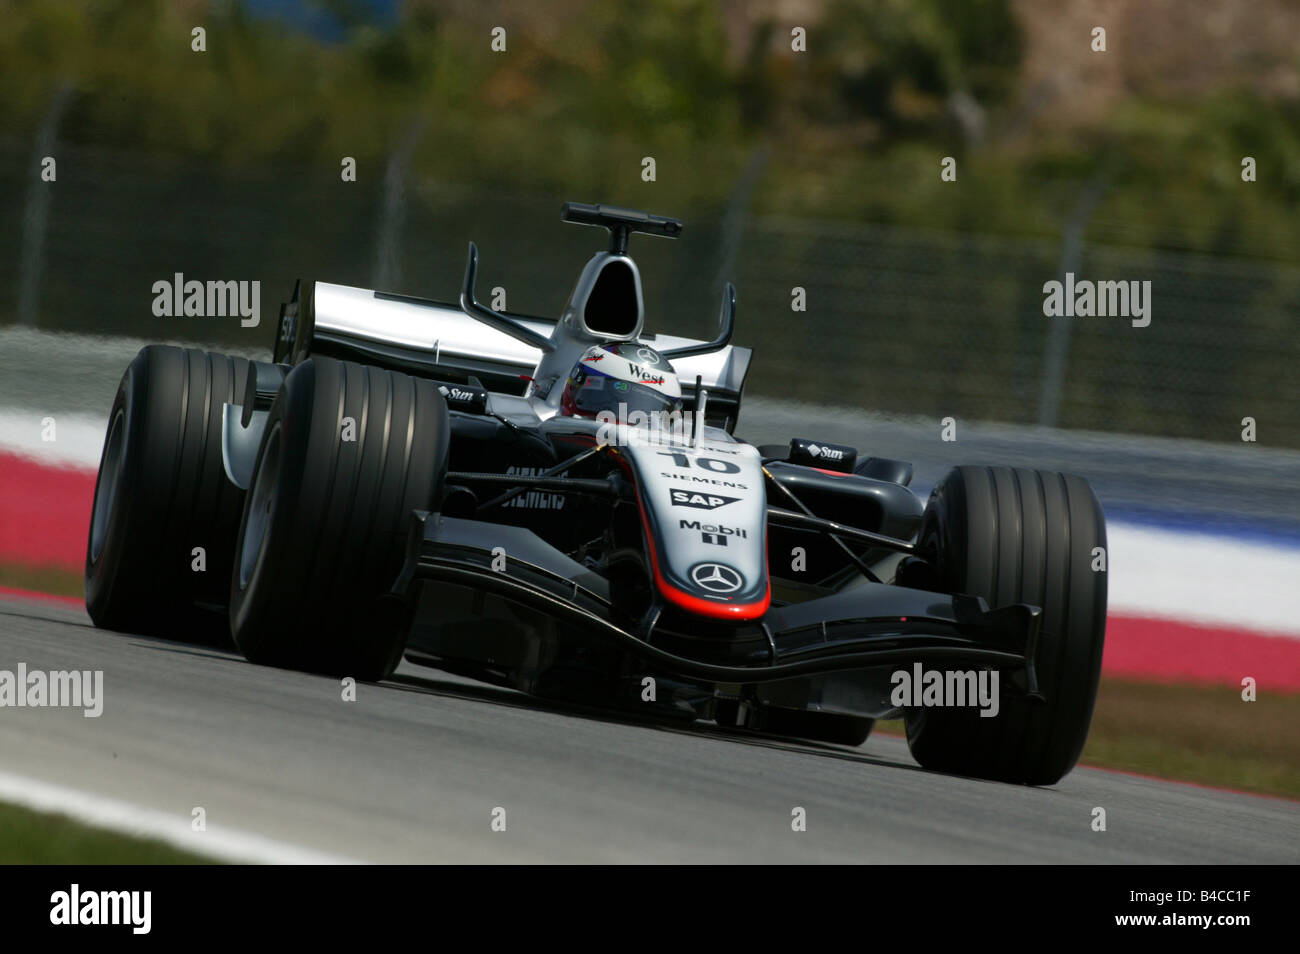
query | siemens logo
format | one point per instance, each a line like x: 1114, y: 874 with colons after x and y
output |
x: 703, y: 480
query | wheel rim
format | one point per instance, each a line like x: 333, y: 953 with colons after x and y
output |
x: 110, y: 479
x: 261, y: 506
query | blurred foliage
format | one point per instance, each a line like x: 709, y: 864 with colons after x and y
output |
x: 856, y: 127
x: 229, y: 161
x: 899, y: 62
x: 39, y: 838
x: 262, y: 92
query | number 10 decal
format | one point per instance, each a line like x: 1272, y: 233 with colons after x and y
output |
x: 707, y: 463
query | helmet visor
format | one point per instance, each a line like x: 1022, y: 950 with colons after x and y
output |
x: 593, y: 392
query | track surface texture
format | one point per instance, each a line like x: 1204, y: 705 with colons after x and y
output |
x: 413, y: 769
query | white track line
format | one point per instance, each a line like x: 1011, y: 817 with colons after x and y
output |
x: 1203, y: 578
x: 1213, y: 580
x: 78, y: 438
x: 218, y: 842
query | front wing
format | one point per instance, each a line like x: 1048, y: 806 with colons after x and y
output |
x: 549, y: 598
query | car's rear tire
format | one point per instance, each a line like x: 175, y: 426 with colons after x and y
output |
x: 161, y: 493
x: 1020, y: 536
x: 348, y: 452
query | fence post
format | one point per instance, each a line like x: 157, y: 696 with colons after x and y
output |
x: 1057, y: 352
x: 733, y: 220
x: 36, y: 216
x: 387, y: 273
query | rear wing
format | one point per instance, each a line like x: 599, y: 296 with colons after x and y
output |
x: 438, y: 340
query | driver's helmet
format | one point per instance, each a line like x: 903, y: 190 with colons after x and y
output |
x: 621, y: 378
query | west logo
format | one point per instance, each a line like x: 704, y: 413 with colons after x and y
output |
x: 649, y: 377
x: 689, y: 498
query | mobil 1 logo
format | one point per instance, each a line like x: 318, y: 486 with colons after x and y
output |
x: 714, y: 533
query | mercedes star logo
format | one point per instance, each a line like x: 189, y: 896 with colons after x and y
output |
x: 646, y: 355
x: 716, y: 577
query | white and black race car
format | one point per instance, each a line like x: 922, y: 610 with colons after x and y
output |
x: 405, y: 479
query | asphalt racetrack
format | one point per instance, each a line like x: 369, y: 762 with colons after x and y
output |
x: 414, y: 768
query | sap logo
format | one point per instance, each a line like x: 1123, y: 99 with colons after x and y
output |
x: 830, y: 453
x: 689, y: 498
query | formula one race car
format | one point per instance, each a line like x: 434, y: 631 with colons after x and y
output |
x: 562, y: 507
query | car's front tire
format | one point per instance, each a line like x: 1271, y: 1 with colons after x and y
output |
x: 1020, y: 536
x: 348, y: 452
